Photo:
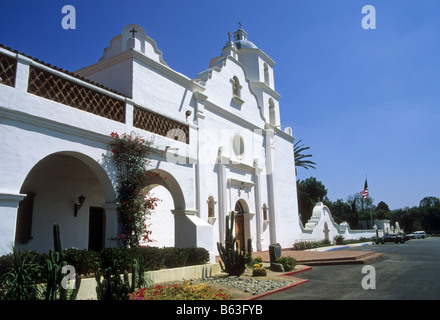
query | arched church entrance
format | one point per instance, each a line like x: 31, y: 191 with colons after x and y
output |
x: 241, y: 224
x: 69, y: 189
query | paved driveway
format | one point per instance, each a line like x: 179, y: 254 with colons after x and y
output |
x: 408, y: 271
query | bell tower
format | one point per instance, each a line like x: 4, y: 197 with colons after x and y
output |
x: 259, y: 69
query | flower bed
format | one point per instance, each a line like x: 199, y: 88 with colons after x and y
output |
x: 185, y: 291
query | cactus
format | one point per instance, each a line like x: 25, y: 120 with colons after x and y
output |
x: 112, y: 286
x: 249, y: 247
x: 57, y: 240
x: 234, y: 261
x: 54, y: 265
x: 259, y: 272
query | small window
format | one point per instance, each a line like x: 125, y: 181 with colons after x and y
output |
x: 236, y: 87
x: 211, y: 207
x: 266, y: 75
x: 238, y: 146
x: 265, y: 212
x: 272, y: 116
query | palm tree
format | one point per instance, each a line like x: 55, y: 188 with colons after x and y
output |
x: 299, y: 157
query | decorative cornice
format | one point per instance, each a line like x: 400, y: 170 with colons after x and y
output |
x: 241, y: 183
x: 266, y: 88
x: 11, y: 197
x: 229, y: 115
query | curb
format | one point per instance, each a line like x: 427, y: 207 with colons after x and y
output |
x: 288, y: 274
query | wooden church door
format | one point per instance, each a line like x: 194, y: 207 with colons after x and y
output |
x: 96, y: 228
x: 239, y: 226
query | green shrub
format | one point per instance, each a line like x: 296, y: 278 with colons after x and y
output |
x: 83, y: 260
x: 175, y: 257
x: 123, y: 255
x: 304, y: 245
x: 289, y: 263
x: 197, y: 256
x: 152, y: 258
x: 338, y: 240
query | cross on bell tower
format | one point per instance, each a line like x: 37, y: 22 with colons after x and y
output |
x: 240, y: 34
x: 133, y: 31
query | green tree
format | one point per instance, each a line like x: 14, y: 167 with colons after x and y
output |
x: 429, y: 202
x: 381, y: 211
x: 383, y: 206
x: 342, y: 211
x: 309, y: 191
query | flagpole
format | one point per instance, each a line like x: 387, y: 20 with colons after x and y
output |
x: 365, y: 194
x: 371, y: 214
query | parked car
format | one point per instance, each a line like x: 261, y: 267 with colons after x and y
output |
x: 389, y: 238
x: 419, y: 235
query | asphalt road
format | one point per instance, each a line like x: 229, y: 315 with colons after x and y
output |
x: 409, y: 271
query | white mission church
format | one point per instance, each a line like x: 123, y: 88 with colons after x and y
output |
x: 222, y: 149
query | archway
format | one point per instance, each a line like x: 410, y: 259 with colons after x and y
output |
x: 239, y: 226
x: 161, y: 223
x: 272, y: 115
x: 53, y: 187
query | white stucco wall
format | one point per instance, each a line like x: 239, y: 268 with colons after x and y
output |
x: 322, y: 220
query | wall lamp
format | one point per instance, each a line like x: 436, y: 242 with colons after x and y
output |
x: 81, y: 200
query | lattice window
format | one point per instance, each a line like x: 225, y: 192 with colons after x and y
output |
x: 160, y: 125
x: 50, y: 86
x: 8, y: 68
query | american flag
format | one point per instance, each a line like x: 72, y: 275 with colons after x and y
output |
x: 365, y: 191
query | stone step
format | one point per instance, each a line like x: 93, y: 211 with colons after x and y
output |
x: 328, y: 257
x: 363, y: 259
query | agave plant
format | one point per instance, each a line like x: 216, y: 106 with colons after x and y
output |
x: 19, y: 283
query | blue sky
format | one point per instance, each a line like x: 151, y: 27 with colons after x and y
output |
x: 366, y: 102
